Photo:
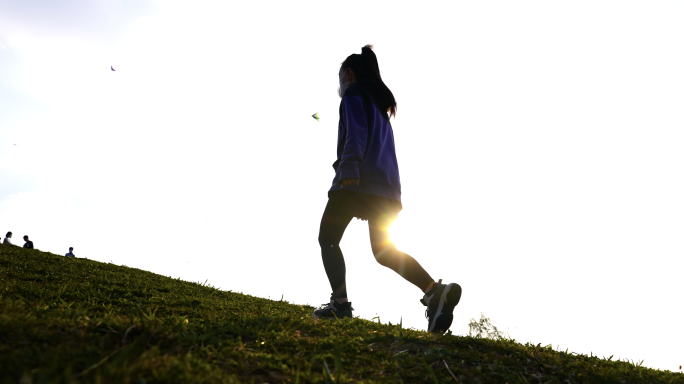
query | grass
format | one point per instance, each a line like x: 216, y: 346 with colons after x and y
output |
x: 82, y: 321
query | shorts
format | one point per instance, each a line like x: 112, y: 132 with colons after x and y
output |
x: 364, y: 206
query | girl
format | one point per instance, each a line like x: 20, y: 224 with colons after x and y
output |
x: 8, y: 238
x: 366, y: 186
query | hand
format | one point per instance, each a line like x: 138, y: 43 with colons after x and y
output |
x: 349, y: 181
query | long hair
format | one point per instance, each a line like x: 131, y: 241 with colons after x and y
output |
x: 365, y: 67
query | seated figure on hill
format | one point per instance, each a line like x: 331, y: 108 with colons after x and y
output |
x: 71, y: 252
x: 28, y: 243
x: 8, y: 239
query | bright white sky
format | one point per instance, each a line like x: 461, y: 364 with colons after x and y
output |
x: 539, y: 145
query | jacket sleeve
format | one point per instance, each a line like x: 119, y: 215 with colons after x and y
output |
x: 356, y: 126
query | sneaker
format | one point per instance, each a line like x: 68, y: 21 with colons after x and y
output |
x: 332, y: 309
x: 440, y: 303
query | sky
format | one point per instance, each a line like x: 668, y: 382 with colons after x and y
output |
x: 539, y: 147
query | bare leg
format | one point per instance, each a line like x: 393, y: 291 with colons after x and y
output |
x: 333, y: 224
x: 387, y: 254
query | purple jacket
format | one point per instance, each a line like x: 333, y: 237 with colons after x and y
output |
x: 365, y: 147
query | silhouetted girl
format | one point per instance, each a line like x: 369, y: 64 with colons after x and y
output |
x: 366, y: 186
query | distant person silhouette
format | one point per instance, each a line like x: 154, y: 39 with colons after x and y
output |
x: 28, y: 243
x: 366, y: 186
x: 71, y: 252
x: 8, y: 239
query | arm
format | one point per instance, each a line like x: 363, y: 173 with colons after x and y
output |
x: 356, y: 125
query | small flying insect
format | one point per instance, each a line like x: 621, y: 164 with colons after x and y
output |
x: 315, y: 116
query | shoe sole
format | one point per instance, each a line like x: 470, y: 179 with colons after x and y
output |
x: 445, y: 311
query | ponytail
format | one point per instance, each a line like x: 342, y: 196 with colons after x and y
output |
x: 365, y: 67
x: 371, y: 61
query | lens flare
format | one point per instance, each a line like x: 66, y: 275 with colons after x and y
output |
x: 394, y: 230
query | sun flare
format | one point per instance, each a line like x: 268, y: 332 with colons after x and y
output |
x: 395, y: 231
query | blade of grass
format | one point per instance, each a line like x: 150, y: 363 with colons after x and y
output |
x: 401, y: 328
x: 326, y: 371
x: 452, y: 374
x: 431, y: 372
x: 96, y: 364
x: 338, y: 363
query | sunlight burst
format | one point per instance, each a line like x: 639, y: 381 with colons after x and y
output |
x: 395, y: 230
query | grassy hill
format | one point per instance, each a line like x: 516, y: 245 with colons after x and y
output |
x: 81, y: 321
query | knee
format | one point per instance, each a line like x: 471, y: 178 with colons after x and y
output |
x: 326, y: 242
x: 384, y: 252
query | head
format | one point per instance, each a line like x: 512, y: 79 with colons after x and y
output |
x: 25, y: 238
x: 9, y: 234
x: 347, y: 78
x: 71, y: 249
x: 365, y: 67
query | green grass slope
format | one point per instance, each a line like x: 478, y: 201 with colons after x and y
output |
x: 81, y: 321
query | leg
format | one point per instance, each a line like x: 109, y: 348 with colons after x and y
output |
x: 387, y: 254
x: 333, y: 224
